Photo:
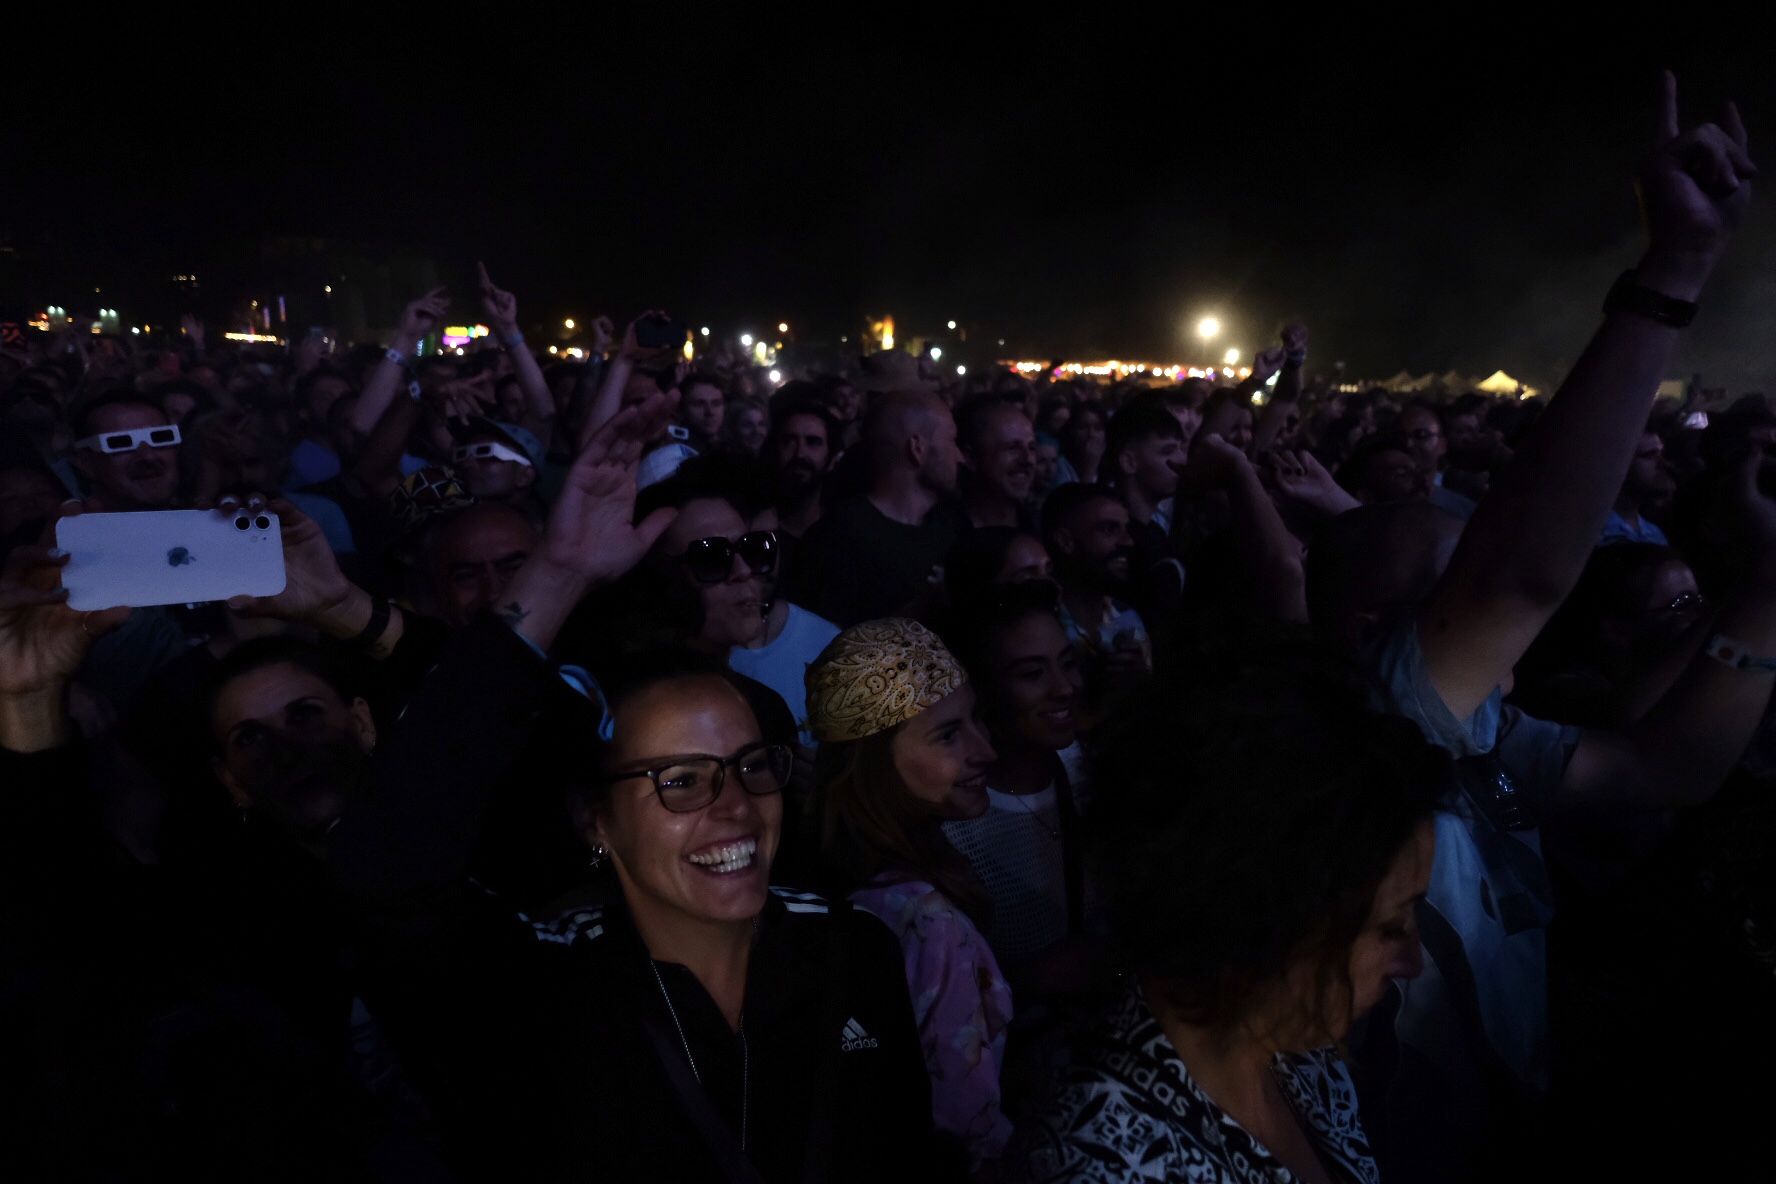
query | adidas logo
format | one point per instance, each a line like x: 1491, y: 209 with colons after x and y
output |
x: 855, y: 1037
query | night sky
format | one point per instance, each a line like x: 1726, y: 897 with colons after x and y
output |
x: 1425, y: 200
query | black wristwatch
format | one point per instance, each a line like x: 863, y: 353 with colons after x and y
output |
x: 1630, y: 295
x: 376, y: 626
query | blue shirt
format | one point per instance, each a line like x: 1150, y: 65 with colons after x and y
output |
x: 1617, y: 529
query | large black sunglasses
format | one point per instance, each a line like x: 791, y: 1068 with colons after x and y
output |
x: 688, y: 783
x: 711, y: 559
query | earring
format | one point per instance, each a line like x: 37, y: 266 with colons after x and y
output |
x: 598, y: 856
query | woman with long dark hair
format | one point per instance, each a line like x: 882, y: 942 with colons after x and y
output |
x: 901, y: 753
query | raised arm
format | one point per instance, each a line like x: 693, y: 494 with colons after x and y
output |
x: 502, y: 314
x: 390, y: 377
x: 1527, y: 543
x: 1269, y: 554
x: 1287, y: 392
x: 474, y: 712
x: 42, y: 644
x: 617, y: 375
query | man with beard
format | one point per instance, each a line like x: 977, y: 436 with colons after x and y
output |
x: 999, y: 446
x: 874, y: 555
x: 1086, y: 529
x: 800, y: 450
x: 1648, y: 482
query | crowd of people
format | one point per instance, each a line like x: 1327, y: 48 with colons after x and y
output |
x: 652, y: 770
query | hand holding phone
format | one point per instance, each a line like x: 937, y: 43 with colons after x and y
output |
x: 170, y: 557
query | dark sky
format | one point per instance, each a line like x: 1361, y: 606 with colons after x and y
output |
x: 1424, y: 199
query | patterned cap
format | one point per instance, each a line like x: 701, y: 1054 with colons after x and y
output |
x: 877, y: 675
x: 423, y: 495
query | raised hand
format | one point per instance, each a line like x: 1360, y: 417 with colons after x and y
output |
x: 501, y: 306
x: 313, y: 584
x: 1694, y: 190
x: 592, y: 537
x: 1267, y: 363
x: 462, y: 398
x: 421, y: 317
x: 1294, y: 338
x: 592, y: 530
x: 1300, y: 477
x: 42, y: 640
x: 1214, y: 463
x: 635, y: 353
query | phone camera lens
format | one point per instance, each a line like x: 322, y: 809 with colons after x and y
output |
x: 241, y: 523
x: 262, y: 522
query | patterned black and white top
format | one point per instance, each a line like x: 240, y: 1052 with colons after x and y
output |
x: 1130, y: 1111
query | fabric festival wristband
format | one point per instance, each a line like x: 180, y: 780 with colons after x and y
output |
x: 1629, y: 295
x: 398, y: 358
x: 1736, y: 655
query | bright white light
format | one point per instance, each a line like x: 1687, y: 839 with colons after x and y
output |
x: 782, y: 326
x: 328, y: 289
x: 1207, y: 328
x: 1002, y: 341
x: 952, y: 324
x: 1227, y: 370
x: 577, y: 352
x: 961, y: 370
x: 1272, y: 380
x: 936, y: 354
x: 776, y: 376
x: 459, y: 352
x: 843, y: 340
x: 705, y: 330
x: 1256, y: 396
x: 746, y: 340
x: 134, y: 330
x: 552, y: 349
x: 1232, y: 358
x: 568, y: 323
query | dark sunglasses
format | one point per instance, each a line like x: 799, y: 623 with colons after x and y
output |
x: 711, y: 559
x: 1684, y: 602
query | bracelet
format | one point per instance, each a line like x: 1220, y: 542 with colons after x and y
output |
x: 378, y: 624
x: 398, y: 358
x: 1630, y: 295
x: 414, y: 390
x: 515, y: 341
x: 1736, y: 655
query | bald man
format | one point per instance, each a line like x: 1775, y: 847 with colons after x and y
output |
x: 878, y: 554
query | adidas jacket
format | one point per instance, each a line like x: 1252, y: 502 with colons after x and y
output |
x: 532, y: 1040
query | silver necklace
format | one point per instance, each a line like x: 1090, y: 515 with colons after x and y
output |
x: 745, y: 1056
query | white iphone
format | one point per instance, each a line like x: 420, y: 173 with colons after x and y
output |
x: 170, y: 557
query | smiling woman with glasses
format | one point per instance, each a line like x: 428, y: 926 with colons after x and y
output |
x: 733, y: 992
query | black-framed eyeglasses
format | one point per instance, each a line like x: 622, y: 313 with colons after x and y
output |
x: 690, y: 782
x: 711, y: 559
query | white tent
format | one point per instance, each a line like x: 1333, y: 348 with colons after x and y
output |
x: 1500, y: 383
